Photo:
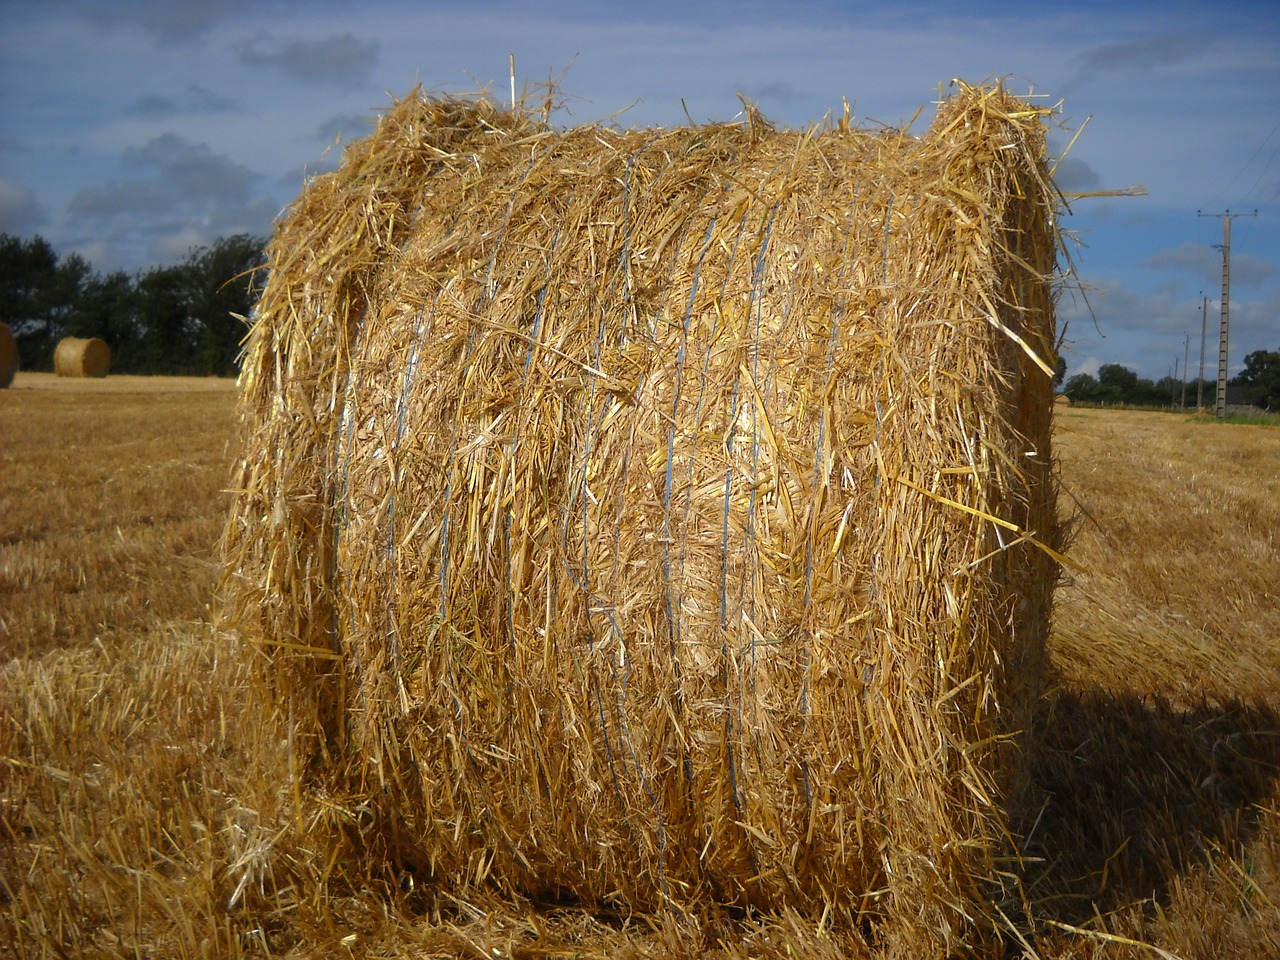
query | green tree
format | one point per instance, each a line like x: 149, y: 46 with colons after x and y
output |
x: 1144, y: 393
x: 1082, y: 388
x: 1165, y: 392
x: 1260, y: 378
x: 70, y: 278
x: 182, y: 319
x: 1200, y: 392
x: 1116, y: 383
x: 28, y: 274
x: 165, y: 327
x: 224, y: 282
x: 108, y: 308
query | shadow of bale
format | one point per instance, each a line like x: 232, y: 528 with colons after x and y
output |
x: 1133, y: 792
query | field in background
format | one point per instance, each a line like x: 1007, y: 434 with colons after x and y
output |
x: 147, y: 801
x: 110, y: 502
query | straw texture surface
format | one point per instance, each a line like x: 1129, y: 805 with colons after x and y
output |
x: 8, y: 356
x: 81, y: 357
x: 664, y: 518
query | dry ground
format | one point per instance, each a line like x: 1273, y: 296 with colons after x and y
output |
x: 146, y: 806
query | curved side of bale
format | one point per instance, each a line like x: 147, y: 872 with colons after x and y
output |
x: 8, y: 356
x: 328, y: 265
x: 81, y: 357
x: 665, y: 518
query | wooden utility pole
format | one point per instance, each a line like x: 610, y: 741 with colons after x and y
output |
x: 1220, y: 406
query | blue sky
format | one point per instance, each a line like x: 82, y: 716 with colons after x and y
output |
x: 134, y: 130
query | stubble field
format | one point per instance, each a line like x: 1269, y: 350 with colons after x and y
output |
x: 149, y: 807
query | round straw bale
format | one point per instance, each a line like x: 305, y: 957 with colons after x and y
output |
x: 665, y: 518
x: 8, y: 356
x: 81, y: 357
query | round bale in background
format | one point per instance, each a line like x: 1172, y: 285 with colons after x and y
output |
x: 8, y: 356
x: 79, y: 357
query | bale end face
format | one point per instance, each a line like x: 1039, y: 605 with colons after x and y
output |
x: 9, y: 359
x: 81, y: 357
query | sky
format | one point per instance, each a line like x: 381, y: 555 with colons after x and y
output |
x: 135, y: 131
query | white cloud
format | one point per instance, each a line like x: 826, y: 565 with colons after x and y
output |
x: 182, y: 176
x: 194, y: 100
x: 1205, y: 263
x: 20, y: 212
x: 171, y: 21
x: 340, y: 58
x: 345, y: 128
x: 1146, y: 54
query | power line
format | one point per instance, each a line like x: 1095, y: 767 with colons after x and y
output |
x: 1265, y: 141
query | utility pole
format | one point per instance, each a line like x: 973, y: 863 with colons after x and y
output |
x: 1220, y: 406
x: 1186, y: 355
x: 1204, y: 326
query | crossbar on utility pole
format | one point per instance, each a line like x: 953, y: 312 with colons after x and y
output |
x: 1220, y: 406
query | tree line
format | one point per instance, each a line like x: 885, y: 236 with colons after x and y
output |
x: 1257, y: 384
x: 186, y: 320
x: 177, y: 320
